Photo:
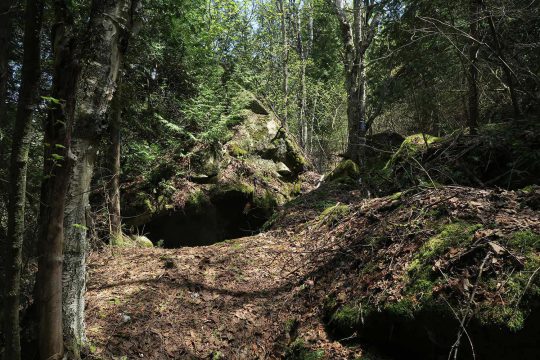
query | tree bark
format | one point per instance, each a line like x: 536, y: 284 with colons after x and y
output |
x: 107, y: 37
x: 356, y: 40
x: 114, y: 169
x: 302, y: 96
x: 284, y: 61
x: 57, y: 163
x: 474, y: 9
x: 6, y: 33
x: 509, y: 77
x: 27, y: 102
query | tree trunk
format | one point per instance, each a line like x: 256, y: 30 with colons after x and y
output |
x: 107, y: 40
x: 307, y: 54
x: 6, y: 33
x: 57, y: 163
x: 301, y: 97
x: 285, y: 61
x: 356, y: 40
x: 474, y: 8
x: 27, y: 102
x: 356, y: 114
x: 508, y: 76
x: 5, y: 54
x: 114, y: 170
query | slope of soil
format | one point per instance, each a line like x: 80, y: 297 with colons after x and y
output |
x: 334, y: 266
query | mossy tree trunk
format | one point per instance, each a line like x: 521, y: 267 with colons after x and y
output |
x: 27, y: 102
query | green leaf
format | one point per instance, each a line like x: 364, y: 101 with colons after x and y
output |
x: 51, y: 99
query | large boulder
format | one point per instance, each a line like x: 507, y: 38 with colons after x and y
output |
x: 222, y: 187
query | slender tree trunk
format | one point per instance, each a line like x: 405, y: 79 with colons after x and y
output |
x: 27, y: 102
x: 307, y: 54
x: 356, y: 40
x: 474, y: 9
x: 5, y: 38
x: 301, y: 97
x: 507, y: 71
x: 107, y: 38
x: 114, y: 169
x: 6, y: 33
x: 285, y: 61
x: 57, y: 163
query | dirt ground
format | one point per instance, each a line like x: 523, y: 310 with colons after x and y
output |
x: 233, y: 300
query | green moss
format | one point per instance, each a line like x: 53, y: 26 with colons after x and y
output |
x: 506, y: 316
x: 296, y: 188
x: 411, y: 147
x: 345, y: 171
x: 294, y: 156
x: 267, y: 201
x: 290, y: 325
x: 235, y: 187
x: 119, y: 241
x: 525, y: 241
x: 529, y: 189
x: 404, y: 308
x: 197, y: 199
x: 149, y: 206
x: 451, y: 235
x: 298, y: 350
x: 143, y: 242
x: 333, y: 214
x: 349, y: 316
x: 323, y: 204
x: 421, y: 278
x: 396, y: 196
x: 237, y: 151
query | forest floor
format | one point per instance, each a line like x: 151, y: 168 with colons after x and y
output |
x: 270, y: 295
x: 238, y: 299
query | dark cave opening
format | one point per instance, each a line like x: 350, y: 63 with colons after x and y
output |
x: 227, y: 216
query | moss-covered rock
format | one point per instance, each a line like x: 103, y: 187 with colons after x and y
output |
x: 346, y: 171
x: 332, y: 215
x: 258, y: 164
x: 505, y: 155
